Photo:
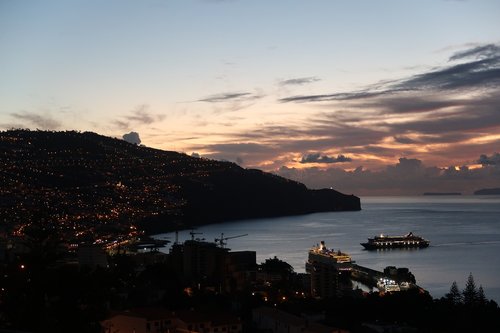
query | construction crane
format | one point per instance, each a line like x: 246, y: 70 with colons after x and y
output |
x: 222, y: 240
x: 192, y: 233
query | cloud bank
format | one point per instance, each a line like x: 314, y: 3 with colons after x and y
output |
x: 489, y: 160
x: 407, y: 177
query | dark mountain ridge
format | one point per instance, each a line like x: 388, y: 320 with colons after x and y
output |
x: 86, y: 181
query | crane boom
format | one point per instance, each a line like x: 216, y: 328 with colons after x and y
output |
x: 223, y: 240
x: 192, y: 233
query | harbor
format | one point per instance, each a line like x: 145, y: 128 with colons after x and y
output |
x: 333, y: 271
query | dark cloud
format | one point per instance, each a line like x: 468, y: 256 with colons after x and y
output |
x: 195, y: 155
x: 481, y: 72
x: 45, y: 122
x: 333, y: 97
x: 494, y: 159
x: 238, y: 148
x: 121, y: 124
x: 404, y: 140
x: 299, y: 81
x: 318, y: 158
x: 140, y: 115
x: 132, y: 137
x: 270, y: 141
x: 231, y: 101
x: 479, y: 52
x: 249, y: 153
x: 409, y: 103
x: 224, y: 97
x: 408, y: 164
x: 376, y: 150
x: 473, y: 118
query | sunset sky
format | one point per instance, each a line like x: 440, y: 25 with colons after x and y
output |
x: 367, y: 97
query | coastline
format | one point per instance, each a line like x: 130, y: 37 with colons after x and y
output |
x: 461, y: 230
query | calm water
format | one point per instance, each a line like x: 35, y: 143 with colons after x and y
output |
x: 464, y: 232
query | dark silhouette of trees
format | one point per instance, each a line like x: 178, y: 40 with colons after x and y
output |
x: 481, y: 298
x: 277, y: 266
x: 465, y: 311
x: 470, y: 292
x: 454, y: 296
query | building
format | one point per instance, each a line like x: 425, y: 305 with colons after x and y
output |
x: 277, y: 321
x: 198, y: 322
x: 240, y: 270
x: 206, y: 265
x: 92, y: 256
x: 203, y: 263
x: 158, y: 320
x: 143, y: 320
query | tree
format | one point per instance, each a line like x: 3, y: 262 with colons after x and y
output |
x: 276, y: 266
x: 470, y: 292
x: 481, y: 298
x: 454, y: 296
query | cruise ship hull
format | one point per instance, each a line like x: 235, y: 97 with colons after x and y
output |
x: 377, y: 246
x: 391, y: 242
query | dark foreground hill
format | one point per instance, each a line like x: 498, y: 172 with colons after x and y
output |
x: 85, y: 180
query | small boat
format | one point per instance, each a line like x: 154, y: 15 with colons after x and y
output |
x: 389, y: 242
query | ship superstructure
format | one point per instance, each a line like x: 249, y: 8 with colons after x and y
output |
x: 386, y: 242
x: 330, y: 271
x: 339, y: 259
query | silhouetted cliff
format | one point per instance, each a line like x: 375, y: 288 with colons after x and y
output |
x: 72, y: 179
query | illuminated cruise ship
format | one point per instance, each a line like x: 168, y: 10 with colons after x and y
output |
x: 387, y: 242
x: 321, y: 254
x: 330, y: 271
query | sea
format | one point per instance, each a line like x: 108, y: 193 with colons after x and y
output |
x: 464, y: 235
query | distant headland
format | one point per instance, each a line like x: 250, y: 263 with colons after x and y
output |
x: 488, y: 191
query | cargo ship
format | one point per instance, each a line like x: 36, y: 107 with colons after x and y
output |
x: 388, y: 242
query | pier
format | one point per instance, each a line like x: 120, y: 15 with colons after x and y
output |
x: 366, y: 275
x: 391, y: 279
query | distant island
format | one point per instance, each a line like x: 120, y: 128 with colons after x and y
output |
x: 442, y: 193
x: 86, y: 185
x: 488, y: 191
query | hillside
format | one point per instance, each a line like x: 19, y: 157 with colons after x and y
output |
x: 88, y: 182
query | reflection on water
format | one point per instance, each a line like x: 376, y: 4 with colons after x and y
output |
x: 464, y: 233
